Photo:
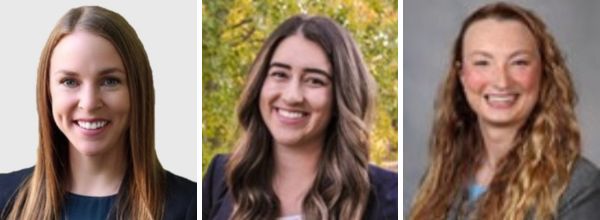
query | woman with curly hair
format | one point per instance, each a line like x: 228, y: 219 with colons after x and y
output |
x: 305, y: 113
x: 505, y: 142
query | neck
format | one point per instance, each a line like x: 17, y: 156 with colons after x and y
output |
x: 498, y: 141
x: 96, y: 175
x: 295, y: 171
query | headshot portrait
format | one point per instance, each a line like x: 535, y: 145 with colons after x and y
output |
x: 508, y: 131
x: 91, y: 149
x: 300, y: 111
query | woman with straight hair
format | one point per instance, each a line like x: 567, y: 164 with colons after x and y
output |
x: 96, y: 157
x: 505, y: 142
x: 305, y: 112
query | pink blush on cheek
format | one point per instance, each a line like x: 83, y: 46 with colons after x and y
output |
x: 473, y: 80
x: 528, y: 79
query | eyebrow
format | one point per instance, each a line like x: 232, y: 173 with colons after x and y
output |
x: 306, y: 69
x: 101, y: 72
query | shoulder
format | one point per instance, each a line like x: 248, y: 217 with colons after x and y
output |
x: 382, y: 177
x: 216, y: 201
x: 181, y: 197
x: 214, y: 177
x: 10, y: 182
x: 383, y: 201
x: 581, y: 199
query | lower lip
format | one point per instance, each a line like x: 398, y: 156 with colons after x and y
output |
x: 290, y: 121
x: 91, y: 132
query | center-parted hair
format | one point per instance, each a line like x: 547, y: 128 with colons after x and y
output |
x: 141, y: 195
x: 535, y: 173
x: 341, y: 187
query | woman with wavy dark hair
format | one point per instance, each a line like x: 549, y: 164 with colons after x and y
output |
x: 505, y: 142
x: 305, y: 112
x: 96, y: 156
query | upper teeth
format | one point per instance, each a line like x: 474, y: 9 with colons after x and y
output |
x: 501, y: 98
x: 290, y: 114
x: 91, y: 125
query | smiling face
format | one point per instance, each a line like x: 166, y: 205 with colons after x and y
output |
x: 501, y: 71
x: 297, y: 95
x: 89, y: 93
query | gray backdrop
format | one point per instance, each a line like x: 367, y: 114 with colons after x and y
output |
x: 429, y: 30
x: 168, y: 32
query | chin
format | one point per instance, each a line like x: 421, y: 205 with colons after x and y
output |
x: 287, y: 141
x: 90, y: 149
x: 502, y: 121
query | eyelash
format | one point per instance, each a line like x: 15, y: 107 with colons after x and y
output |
x: 115, y: 81
x: 68, y: 82
x: 278, y: 74
x: 521, y: 62
x: 481, y: 63
x: 313, y: 81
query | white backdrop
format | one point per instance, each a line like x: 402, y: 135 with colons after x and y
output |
x: 168, y: 32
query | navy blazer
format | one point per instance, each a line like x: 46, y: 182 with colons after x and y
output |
x: 217, y: 202
x: 180, y: 202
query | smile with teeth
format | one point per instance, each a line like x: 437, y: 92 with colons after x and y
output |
x: 88, y: 125
x: 290, y: 114
x: 501, y: 98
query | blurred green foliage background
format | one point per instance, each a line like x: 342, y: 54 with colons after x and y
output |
x: 233, y: 32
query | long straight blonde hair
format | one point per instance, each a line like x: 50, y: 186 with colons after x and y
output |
x: 141, y: 196
x: 341, y: 188
x: 535, y: 173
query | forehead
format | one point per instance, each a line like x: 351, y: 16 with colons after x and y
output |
x: 82, y: 51
x: 492, y: 34
x: 299, y: 52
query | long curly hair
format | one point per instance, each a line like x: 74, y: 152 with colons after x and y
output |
x: 534, y: 174
x: 141, y: 195
x: 341, y: 187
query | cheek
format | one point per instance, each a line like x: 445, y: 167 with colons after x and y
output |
x: 119, y: 102
x: 321, y: 99
x: 473, y: 80
x: 61, y: 104
x: 267, y: 92
x: 529, y: 79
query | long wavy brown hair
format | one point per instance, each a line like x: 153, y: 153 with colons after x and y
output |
x: 141, y: 195
x: 531, y: 178
x: 341, y: 188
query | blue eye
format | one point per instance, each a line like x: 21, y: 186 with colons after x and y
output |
x: 111, y: 82
x: 70, y: 83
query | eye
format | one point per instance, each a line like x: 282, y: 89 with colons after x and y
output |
x: 315, y: 82
x: 70, y: 83
x: 521, y: 62
x: 278, y: 75
x: 111, y: 82
x: 481, y: 63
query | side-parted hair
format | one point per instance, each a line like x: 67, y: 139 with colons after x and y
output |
x: 535, y: 173
x: 141, y: 195
x: 341, y: 187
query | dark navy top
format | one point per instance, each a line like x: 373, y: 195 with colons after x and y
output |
x: 180, y: 200
x: 217, y: 202
x: 87, y: 207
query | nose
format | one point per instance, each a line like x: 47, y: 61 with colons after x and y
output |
x: 292, y: 93
x: 502, y: 77
x: 89, y: 98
